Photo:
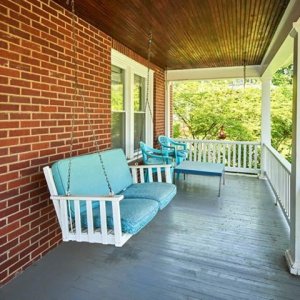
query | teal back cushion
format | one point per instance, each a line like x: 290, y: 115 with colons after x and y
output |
x: 87, y: 176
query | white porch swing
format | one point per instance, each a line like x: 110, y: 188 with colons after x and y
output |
x: 97, y: 197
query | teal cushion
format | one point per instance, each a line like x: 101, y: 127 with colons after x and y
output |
x: 135, y: 214
x: 87, y: 176
x: 161, y: 192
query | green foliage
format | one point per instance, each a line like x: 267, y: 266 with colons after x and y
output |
x: 202, y: 107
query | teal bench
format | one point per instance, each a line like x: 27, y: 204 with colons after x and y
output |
x: 90, y: 214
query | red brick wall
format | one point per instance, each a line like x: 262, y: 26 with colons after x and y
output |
x: 159, y: 90
x: 35, y: 112
x: 159, y: 105
x: 36, y: 101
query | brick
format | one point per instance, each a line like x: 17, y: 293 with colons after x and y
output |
x: 20, y: 33
x: 19, y: 264
x: 9, y: 90
x: 19, y: 149
x: 19, y: 248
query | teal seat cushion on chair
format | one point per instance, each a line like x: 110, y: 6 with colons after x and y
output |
x: 135, y: 214
x: 161, y: 192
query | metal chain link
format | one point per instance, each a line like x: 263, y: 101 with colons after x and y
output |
x: 147, y: 103
x: 79, y: 91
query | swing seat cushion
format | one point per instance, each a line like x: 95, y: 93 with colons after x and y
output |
x: 87, y: 176
x: 161, y: 192
x: 135, y: 214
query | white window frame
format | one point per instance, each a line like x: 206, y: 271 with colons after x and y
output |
x: 130, y: 68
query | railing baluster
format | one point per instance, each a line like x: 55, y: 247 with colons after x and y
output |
x: 229, y: 156
x: 214, y: 152
x: 204, y: 152
x: 208, y: 152
x: 250, y: 157
x: 200, y: 152
x: 239, y: 155
x: 234, y: 156
x: 245, y: 157
x: 195, y: 151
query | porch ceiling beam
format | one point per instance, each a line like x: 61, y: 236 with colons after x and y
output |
x: 291, y: 15
x: 213, y: 73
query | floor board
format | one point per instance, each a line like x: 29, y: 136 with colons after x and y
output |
x: 199, y: 247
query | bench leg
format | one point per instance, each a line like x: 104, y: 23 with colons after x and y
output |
x: 224, y: 178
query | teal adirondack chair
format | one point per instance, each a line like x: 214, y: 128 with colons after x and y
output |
x: 153, y: 156
x: 175, y: 149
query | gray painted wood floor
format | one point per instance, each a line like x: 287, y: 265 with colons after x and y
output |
x: 199, y: 247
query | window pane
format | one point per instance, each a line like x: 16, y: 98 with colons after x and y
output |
x: 117, y: 89
x: 139, y: 129
x: 118, y: 130
x: 139, y: 93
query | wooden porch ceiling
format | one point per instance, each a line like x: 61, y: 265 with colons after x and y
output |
x: 188, y: 33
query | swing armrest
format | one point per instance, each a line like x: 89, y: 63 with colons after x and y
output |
x: 166, y: 166
x: 139, y: 176
x: 115, y: 198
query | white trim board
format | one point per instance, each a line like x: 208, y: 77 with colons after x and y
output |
x: 214, y: 73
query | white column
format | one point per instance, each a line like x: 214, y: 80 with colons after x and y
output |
x: 293, y: 254
x: 265, y: 121
x: 167, y: 109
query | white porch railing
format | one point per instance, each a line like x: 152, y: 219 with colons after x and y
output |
x: 241, y: 157
x: 278, y: 173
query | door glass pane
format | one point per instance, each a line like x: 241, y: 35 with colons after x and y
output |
x: 118, y: 108
x: 139, y: 108
x: 118, y: 130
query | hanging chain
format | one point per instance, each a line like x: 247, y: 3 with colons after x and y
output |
x: 245, y: 61
x: 147, y: 103
x: 79, y: 91
x: 148, y: 75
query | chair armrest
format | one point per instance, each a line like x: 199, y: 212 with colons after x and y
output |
x: 115, y: 198
x: 179, y: 144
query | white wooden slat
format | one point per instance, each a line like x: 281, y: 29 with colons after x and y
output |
x: 168, y: 175
x: 77, y: 220
x: 159, y: 175
x: 214, y: 153
x: 250, y: 156
x: 103, y: 219
x: 90, y: 220
x: 150, y: 175
x: 190, y: 150
x: 204, y: 152
x: 224, y: 153
x: 229, y: 155
x: 234, y: 156
x: 255, y: 157
x: 70, y: 216
x: 200, y: 152
x: 239, y: 155
x: 64, y: 220
x: 117, y: 223
x: 134, y: 175
x: 245, y: 156
x: 208, y: 152
x: 195, y: 151
x: 53, y: 191
x: 142, y: 177
x: 219, y: 153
